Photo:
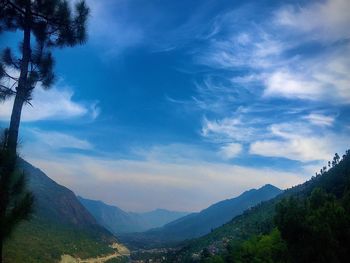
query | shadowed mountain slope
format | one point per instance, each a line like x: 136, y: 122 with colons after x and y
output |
x: 118, y: 221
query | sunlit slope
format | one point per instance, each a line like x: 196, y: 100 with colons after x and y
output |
x: 60, y: 225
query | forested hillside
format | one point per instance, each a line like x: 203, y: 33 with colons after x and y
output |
x: 307, y: 223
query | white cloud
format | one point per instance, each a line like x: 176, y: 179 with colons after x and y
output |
x: 59, y: 140
x: 52, y: 104
x: 230, y: 150
x: 300, y: 149
x: 298, y: 141
x: 290, y: 85
x: 262, y: 50
x: 324, y: 78
x: 277, y: 65
x: 309, y: 138
x: 324, y: 20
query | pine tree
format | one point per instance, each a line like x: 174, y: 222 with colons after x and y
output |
x: 45, y: 24
x: 16, y: 203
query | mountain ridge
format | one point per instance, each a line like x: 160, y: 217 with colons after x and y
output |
x: 201, y: 223
x: 119, y: 221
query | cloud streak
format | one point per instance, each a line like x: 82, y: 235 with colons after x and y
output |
x: 53, y: 104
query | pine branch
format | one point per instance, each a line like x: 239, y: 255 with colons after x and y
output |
x: 9, y: 76
x: 3, y: 88
x: 15, y: 7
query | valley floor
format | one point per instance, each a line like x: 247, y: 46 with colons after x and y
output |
x: 121, y: 251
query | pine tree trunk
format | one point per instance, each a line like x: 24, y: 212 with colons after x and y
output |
x: 1, y: 245
x: 14, y: 124
x: 22, y: 88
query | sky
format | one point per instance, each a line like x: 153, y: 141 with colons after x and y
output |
x: 180, y: 104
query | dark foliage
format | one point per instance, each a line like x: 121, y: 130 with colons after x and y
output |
x: 16, y: 202
x: 316, y: 229
x: 45, y: 24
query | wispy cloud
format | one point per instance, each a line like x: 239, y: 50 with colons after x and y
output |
x: 320, y: 119
x: 309, y: 138
x: 271, y: 53
x: 264, y: 63
x: 228, y: 129
x: 230, y: 150
x: 110, y: 22
x: 127, y: 24
x: 59, y: 140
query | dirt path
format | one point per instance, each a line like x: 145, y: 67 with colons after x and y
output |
x: 121, y: 251
x: 99, y: 259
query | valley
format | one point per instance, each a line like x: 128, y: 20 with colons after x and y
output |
x: 67, y: 228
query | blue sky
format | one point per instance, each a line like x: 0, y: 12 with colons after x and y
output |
x: 179, y: 104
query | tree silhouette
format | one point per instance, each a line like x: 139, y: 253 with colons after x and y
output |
x: 45, y: 24
x: 16, y: 203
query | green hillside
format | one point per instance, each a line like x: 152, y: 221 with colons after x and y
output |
x: 60, y: 225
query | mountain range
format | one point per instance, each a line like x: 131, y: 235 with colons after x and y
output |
x: 198, y: 224
x: 66, y: 224
x: 118, y: 221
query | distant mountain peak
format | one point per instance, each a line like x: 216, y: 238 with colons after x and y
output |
x: 119, y: 221
x: 270, y: 186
